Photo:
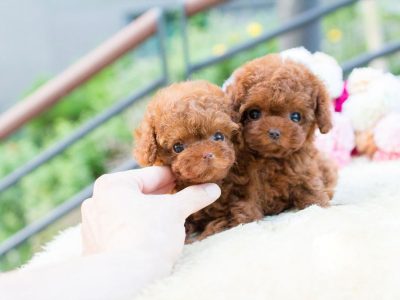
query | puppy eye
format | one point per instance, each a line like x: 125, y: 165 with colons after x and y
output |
x: 218, y: 136
x: 254, y: 114
x: 178, y: 147
x: 295, y: 117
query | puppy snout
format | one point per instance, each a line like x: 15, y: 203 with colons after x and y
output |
x: 208, y: 155
x: 274, y: 134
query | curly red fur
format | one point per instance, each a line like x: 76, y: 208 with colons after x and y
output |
x: 288, y: 171
x: 190, y: 113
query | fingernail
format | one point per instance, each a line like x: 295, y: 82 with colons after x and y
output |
x: 212, y: 190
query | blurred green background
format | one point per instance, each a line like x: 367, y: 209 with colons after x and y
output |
x: 210, y: 34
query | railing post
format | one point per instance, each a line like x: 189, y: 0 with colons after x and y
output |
x: 310, y: 35
x: 162, y: 44
x: 185, y: 42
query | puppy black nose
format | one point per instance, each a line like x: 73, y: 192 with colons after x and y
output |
x: 274, y: 134
x: 208, y: 155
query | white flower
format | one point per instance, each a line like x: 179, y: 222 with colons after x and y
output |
x: 360, y: 78
x: 325, y: 67
x: 387, y: 133
x: 373, y: 94
x: 365, y: 109
x: 330, y: 72
x: 300, y: 55
x: 228, y: 82
x: 388, y: 86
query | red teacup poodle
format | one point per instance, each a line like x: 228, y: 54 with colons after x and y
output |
x: 281, y: 103
x: 188, y: 127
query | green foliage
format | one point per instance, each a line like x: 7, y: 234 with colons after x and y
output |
x: 210, y: 34
x: 199, y: 20
x: 343, y: 38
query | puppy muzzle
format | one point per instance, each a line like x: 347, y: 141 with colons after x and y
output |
x: 274, y: 134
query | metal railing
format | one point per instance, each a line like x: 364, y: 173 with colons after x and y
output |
x: 299, y: 21
x: 125, y: 40
x: 52, y: 92
x: 189, y: 8
x: 364, y: 59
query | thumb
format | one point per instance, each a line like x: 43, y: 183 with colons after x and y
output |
x: 196, y: 197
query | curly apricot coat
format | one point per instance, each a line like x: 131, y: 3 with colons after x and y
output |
x: 196, y: 116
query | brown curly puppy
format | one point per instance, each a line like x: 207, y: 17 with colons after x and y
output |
x: 281, y: 103
x: 188, y: 127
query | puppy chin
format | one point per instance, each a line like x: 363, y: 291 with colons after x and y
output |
x: 200, y: 172
x: 208, y: 177
x: 273, y: 149
x: 196, y: 176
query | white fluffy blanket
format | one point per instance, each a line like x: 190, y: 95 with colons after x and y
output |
x: 350, y: 250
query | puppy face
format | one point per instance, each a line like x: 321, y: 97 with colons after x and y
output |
x: 280, y: 103
x: 188, y: 126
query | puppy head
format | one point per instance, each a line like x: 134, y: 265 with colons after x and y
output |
x: 188, y: 127
x: 280, y: 103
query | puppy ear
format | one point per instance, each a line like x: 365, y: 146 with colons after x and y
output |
x: 235, y: 88
x: 323, y: 111
x: 145, y: 151
x: 237, y: 137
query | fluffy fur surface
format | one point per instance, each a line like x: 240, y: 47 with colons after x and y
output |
x: 66, y: 245
x: 280, y: 104
x: 349, y: 250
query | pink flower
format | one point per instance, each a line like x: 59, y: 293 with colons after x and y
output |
x: 339, y: 142
x: 387, y: 137
x: 342, y: 98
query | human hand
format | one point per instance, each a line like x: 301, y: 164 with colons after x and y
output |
x: 132, y: 234
x: 130, y: 212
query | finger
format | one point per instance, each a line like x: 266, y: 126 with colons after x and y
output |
x: 89, y: 243
x: 146, y: 180
x: 165, y: 189
x: 87, y: 235
x: 196, y: 197
x: 85, y: 206
x: 151, y: 179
